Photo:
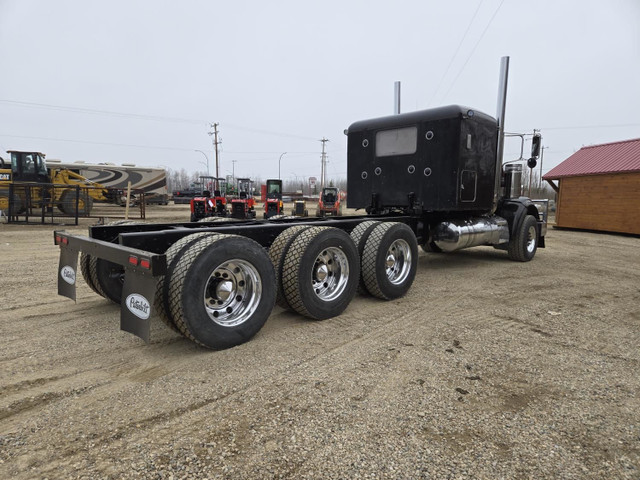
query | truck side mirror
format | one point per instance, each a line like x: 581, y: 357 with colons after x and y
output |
x: 531, y: 163
x: 536, y: 141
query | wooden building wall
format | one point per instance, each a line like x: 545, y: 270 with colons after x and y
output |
x: 610, y: 203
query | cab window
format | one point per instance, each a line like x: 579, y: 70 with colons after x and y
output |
x: 399, y: 141
x: 29, y: 164
x: 15, y: 162
x: 41, y: 166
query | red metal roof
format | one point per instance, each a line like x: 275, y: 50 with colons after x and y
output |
x: 616, y: 157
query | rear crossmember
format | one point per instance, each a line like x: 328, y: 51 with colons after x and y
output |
x: 140, y: 271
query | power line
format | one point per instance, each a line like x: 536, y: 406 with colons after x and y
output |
x: 156, y: 118
x: 154, y: 147
x: 98, y: 143
x: 289, y: 154
x: 91, y: 111
x: 580, y: 127
x: 267, y: 132
x: 474, y: 49
x: 456, y: 52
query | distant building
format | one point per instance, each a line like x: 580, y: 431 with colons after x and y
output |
x: 599, y: 188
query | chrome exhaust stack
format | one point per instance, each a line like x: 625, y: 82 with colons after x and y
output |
x: 502, y: 107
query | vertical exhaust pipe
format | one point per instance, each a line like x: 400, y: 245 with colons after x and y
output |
x: 502, y: 107
x: 396, y: 98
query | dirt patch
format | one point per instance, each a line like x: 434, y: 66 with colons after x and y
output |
x: 487, y: 368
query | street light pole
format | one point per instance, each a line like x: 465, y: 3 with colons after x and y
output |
x: 205, y: 156
x: 284, y: 153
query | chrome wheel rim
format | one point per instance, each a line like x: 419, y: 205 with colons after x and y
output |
x: 531, y: 239
x: 232, y: 293
x: 330, y: 274
x: 398, y: 261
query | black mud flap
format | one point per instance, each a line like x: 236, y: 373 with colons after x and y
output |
x: 67, y: 272
x: 138, y: 294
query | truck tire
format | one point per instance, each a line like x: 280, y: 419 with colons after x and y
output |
x: 277, y: 252
x: 106, y: 277
x: 173, y: 254
x: 522, y: 247
x: 320, y: 272
x: 68, y: 202
x: 389, y: 260
x: 85, y: 269
x: 359, y: 236
x: 222, y: 291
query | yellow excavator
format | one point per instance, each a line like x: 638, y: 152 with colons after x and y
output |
x: 34, y: 185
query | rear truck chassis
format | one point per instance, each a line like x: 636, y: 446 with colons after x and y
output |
x: 433, y: 178
x: 217, y: 283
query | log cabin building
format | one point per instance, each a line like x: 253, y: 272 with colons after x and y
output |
x: 598, y: 188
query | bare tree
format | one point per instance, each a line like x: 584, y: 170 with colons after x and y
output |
x: 183, y: 177
x: 174, y: 180
x: 538, y: 190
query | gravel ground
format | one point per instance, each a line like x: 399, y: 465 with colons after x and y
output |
x: 487, y: 368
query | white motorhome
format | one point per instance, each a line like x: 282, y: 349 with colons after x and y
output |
x: 152, y: 180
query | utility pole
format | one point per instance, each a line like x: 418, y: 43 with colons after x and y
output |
x: 323, y: 169
x: 215, y: 148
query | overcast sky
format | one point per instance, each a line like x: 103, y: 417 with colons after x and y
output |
x: 141, y: 81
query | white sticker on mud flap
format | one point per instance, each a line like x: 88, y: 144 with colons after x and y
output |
x: 139, y: 306
x: 68, y: 274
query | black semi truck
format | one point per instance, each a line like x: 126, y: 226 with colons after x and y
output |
x: 431, y: 179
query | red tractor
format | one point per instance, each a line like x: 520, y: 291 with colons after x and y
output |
x: 207, y: 206
x: 273, y: 201
x: 329, y: 203
x: 243, y: 206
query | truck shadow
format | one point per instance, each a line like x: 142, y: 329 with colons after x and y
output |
x: 463, y: 258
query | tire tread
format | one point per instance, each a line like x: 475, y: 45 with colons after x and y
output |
x: 359, y: 236
x: 161, y: 300
x: 290, y: 269
x: 369, y: 257
x: 277, y: 253
x: 178, y: 277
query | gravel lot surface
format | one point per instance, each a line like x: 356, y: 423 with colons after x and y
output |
x: 487, y: 368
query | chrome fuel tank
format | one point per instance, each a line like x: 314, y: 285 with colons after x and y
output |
x: 457, y: 234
